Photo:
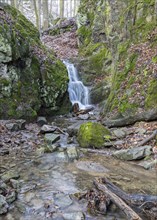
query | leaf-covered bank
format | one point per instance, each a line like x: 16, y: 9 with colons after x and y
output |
x: 119, y: 44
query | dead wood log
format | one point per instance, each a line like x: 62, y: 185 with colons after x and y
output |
x: 118, y: 202
x: 133, y: 200
x: 149, y: 115
x: 148, y: 139
x: 96, y: 151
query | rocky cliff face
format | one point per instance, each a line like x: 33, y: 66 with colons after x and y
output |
x: 118, y: 42
x: 31, y: 78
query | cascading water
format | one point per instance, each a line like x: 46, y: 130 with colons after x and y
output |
x: 78, y: 93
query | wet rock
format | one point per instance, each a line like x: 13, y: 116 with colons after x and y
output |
x: 50, y: 148
x: 72, y: 152
x: 10, y: 175
x: 51, y: 138
x: 4, y: 151
x: 3, y: 186
x: 91, y: 166
x: 62, y: 155
x: 37, y: 203
x: 148, y: 164
x: 47, y: 129
x: 73, y: 129
x: 15, y: 184
x: 16, y: 125
x: 41, y: 121
x: 3, y: 205
x: 133, y: 153
x: 20, y: 206
x: 29, y: 196
x: 74, y: 215
x: 84, y: 117
x: 119, y: 133
x: 63, y: 200
x: 116, y: 144
x: 11, y: 196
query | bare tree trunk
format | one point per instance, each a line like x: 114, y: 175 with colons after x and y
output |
x: 61, y: 5
x: 36, y: 13
x: 45, y: 14
x: 14, y: 3
x: 155, y: 12
x: 40, y: 15
x: 71, y: 8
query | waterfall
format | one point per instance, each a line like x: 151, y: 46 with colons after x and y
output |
x: 78, y: 93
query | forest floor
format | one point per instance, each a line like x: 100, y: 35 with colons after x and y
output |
x: 65, y: 45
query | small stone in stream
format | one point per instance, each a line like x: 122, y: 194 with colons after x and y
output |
x: 148, y: 164
x: 63, y: 200
x: 119, y: 133
x: 50, y: 148
x: 20, y: 206
x: 4, y: 151
x: 3, y: 205
x: 11, y: 196
x: 74, y: 215
x: 47, y: 129
x: 133, y: 153
x: 73, y: 129
x: 41, y: 121
x: 15, y: 183
x: 16, y: 125
x: 83, y: 117
x: 10, y: 175
x: 72, y: 152
x: 51, y: 138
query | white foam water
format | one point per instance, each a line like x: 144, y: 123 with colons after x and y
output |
x: 78, y: 93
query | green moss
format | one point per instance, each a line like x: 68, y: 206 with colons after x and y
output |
x: 85, y: 34
x: 92, y: 135
x: 151, y: 99
x: 96, y: 61
x: 91, y: 48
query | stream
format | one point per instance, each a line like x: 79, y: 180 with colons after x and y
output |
x: 49, y: 182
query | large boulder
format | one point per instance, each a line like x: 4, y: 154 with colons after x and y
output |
x: 92, y: 134
x: 31, y: 78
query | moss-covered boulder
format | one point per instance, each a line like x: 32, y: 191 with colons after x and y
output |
x: 31, y: 78
x: 92, y: 134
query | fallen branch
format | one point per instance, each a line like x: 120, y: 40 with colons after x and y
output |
x: 89, y: 150
x: 133, y: 200
x: 148, y: 139
x: 149, y: 115
x: 118, y: 202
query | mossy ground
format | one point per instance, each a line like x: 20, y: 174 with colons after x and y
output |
x: 122, y: 47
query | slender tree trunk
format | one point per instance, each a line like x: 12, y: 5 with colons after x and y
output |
x: 40, y: 15
x: 61, y: 5
x: 36, y: 13
x: 155, y: 12
x: 45, y: 14
x: 71, y: 8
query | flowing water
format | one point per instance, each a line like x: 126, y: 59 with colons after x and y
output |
x: 78, y: 93
x: 48, y: 183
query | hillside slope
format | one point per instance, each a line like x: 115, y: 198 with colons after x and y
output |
x: 118, y: 40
